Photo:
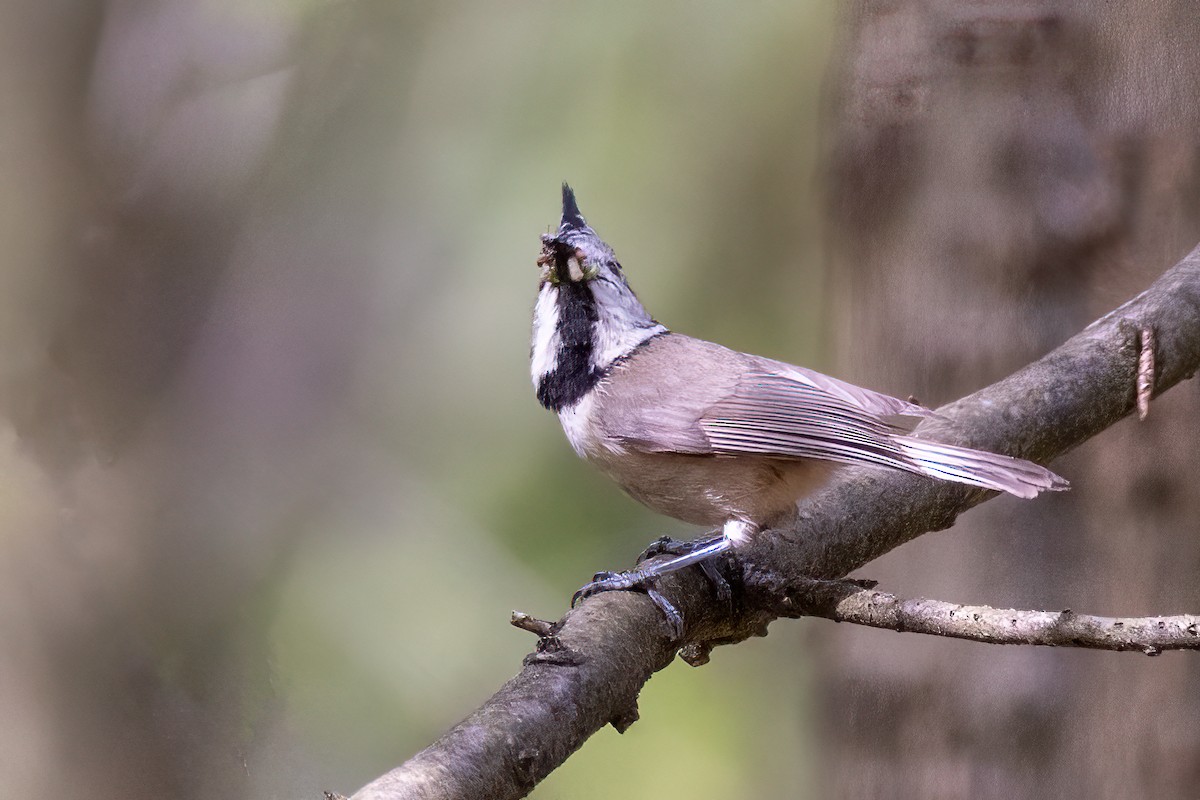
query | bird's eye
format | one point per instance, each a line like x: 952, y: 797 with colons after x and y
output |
x: 580, y: 268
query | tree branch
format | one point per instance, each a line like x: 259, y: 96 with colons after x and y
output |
x: 851, y: 601
x: 589, y: 671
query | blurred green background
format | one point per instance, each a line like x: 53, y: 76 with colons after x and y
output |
x: 275, y: 475
x: 272, y: 474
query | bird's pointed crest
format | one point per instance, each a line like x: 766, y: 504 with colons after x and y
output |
x: 571, y: 218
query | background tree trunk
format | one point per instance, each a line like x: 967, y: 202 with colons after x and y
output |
x: 180, y: 385
x: 1000, y: 173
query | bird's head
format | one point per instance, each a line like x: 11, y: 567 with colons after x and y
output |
x: 586, y: 315
x: 575, y: 254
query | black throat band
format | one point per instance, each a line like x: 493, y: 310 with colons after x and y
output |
x: 573, y: 374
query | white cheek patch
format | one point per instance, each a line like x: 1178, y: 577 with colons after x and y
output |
x: 545, y: 332
x: 621, y: 326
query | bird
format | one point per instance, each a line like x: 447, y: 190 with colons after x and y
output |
x: 706, y: 434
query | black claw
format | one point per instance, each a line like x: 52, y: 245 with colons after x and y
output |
x: 720, y: 586
x: 634, y: 580
x: 672, y: 616
x: 610, y: 582
x: 664, y: 545
x: 667, y: 546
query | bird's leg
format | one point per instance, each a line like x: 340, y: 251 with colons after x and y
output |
x: 697, y: 553
x: 686, y: 552
x: 700, y: 552
x: 634, y: 580
x: 669, y: 546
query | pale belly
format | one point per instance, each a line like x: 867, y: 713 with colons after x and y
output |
x: 710, y: 490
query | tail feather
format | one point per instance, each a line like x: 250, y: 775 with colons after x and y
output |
x: 980, y: 468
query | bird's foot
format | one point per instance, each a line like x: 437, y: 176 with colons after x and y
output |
x: 636, y: 580
x: 713, y: 545
x: 642, y: 579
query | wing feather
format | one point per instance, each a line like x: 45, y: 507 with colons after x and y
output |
x: 787, y: 416
x: 877, y: 403
x: 707, y: 400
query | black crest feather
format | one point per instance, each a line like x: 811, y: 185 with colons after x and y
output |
x: 571, y: 217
